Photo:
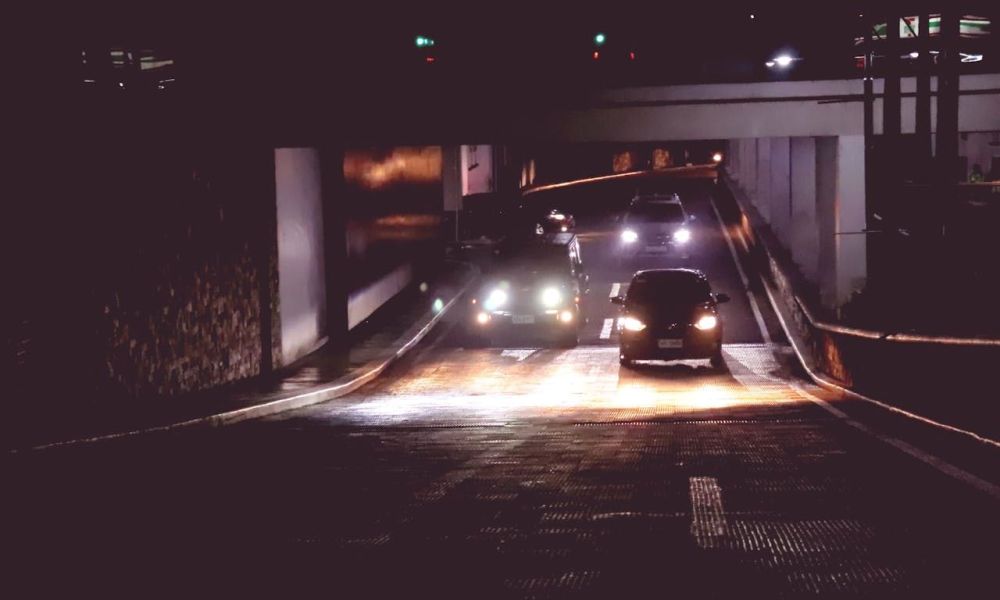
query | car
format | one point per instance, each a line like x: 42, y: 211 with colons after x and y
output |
x: 670, y: 314
x: 643, y: 197
x: 536, y: 288
x: 657, y: 225
x: 557, y: 221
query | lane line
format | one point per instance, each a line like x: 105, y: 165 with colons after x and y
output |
x: 708, y: 518
x: 615, y: 289
x: 606, y: 329
x: 822, y: 381
x: 941, y: 465
x: 518, y: 353
x: 757, y: 315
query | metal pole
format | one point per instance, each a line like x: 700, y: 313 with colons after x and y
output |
x: 869, y: 116
x: 947, y: 116
x: 923, y: 116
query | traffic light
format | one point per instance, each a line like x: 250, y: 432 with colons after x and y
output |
x: 422, y: 41
x: 599, y: 39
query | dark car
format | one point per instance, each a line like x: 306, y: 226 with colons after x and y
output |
x: 557, y: 221
x: 655, y: 226
x: 670, y: 314
x: 535, y: 289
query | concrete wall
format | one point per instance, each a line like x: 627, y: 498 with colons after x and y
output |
x: 477, y: 169
x: 810, y: 192
x: 979, y: 147
x: 152, y: 270
x: 301, y: 250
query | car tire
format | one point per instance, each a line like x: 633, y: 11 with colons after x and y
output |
x: 569, y: 341
x: 717, y: 361
x: 476, y: 340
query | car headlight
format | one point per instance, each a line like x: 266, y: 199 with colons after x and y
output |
x: 706, y: 322
x: 631, y: 324
x: 551, y: 297
x: 682, y: 236
x: 495, y: 299
x: 629, y: 236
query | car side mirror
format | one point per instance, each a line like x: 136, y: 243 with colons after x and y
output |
x: 617, y: 300
x: 722, y: 298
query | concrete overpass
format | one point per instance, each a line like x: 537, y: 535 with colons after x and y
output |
x: 748, y: 110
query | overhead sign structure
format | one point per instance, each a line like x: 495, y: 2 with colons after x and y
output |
x: 909, y: 27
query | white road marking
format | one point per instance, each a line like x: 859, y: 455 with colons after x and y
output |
x: 606, y: 329
x: 708, y: 518
x: 615, y: 290
x: 925, y: 457
x: 757, y: 315
x: 941, y: 465
x: 519, y: 353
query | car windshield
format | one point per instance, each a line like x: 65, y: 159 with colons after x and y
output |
x: 538, y: 258
x: 668, y: 289
x: 655, y: 212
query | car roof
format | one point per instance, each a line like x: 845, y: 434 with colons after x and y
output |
x: 670, y: 274
x: 659, y: 198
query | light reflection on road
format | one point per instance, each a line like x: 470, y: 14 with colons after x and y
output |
x: 584, y: 383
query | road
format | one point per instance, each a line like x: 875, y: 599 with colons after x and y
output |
x: 526, y: 471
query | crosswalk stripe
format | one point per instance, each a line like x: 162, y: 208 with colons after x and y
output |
x: 615, y: 289
x: 606, y: 329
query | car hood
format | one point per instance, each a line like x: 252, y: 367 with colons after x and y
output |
x: 667, y: 314
x: 655, y: 226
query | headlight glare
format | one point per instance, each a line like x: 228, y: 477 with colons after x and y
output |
x: 631, y: 324
x: 629, y: 236
x: 551, y: 297
x: 682, y: 236
x: 495, y: 299
x: 706, y: 322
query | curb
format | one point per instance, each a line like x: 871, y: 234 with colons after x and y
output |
x: 338, y: 388
x: 808, y: 365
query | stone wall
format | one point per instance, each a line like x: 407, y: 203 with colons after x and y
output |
x: 150, y: 259
x: 186, y: 314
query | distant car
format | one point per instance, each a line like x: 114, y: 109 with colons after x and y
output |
x: 670, y: 314
x: 655, y: 225
x: 641, y: 197
x: 557, y: 221
x: 536, y: 289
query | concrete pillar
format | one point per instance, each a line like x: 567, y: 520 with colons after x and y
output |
x: 804, y: 229
x: 451, y: 184
x: 762, y: 196
x: 840, y: 199
x: 750, y: 170
x: 780, y: 207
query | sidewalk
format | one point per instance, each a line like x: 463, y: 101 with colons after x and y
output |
x: 323, y: 375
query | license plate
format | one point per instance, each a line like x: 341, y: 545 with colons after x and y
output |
x: 670, y: 343
x: 522, y: 319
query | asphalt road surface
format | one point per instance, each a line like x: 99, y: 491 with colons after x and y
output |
x: 526, y: 471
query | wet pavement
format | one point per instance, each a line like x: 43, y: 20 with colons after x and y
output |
x: 523, y: 471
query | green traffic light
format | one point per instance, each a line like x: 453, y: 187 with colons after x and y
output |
x: 599, y: 39
x: 422, y: 41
